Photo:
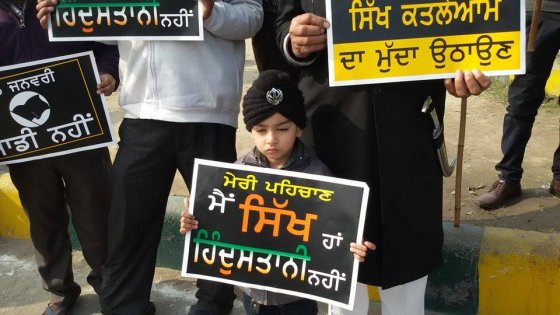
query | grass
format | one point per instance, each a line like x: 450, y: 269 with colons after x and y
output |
x: 499, y: 89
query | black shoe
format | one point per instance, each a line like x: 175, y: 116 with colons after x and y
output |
x: 499, y: 194
x: 197, y: 309
x: 150, y: 309
x: 555, y: 188
x: 204, y: 308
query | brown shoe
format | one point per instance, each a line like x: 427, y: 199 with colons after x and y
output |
x: 555, y: 187
x: 499, y: 194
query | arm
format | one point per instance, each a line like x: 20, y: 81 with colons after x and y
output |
x: 107, y: 59
x: 298, y: 34
x: 233, y: 19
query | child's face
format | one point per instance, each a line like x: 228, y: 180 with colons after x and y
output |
x: 274, y: 138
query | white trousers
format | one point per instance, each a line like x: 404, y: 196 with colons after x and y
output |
x: 404, y: 299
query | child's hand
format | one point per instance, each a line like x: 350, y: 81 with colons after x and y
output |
x: 188, y: 222
x: 360, y: 251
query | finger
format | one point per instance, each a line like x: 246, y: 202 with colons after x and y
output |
x: 306, y: 30
x: 370, y: 245
x: 482, y: 79
x: 460, y: 85
x: 450, y: 86
x: 311, y: 19
x: 358, y: 258
x: 107, y: 89
x: 43, y: 16
x: 187, y: 217
x: 189, y: 223
x: 305, y: 44
x: 359, y: 250
x: 473, y: 88
x: 44, y: 8
x: 304, y: 51
x: 110, y: 84
x: 186, y: 202
x: 104, y: 82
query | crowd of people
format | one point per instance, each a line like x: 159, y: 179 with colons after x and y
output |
x: 174, y: 114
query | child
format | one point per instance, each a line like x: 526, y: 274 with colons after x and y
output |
x: 274, y: 113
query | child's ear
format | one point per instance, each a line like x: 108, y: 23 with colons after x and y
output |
x: 299, y: 132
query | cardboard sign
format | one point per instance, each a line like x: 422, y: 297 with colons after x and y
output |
x: 75, y: 20
x: 50, y: 107
x: 281, y: 231
x: 377, y: 41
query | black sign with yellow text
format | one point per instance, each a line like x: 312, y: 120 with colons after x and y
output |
x: 50, y: 107
x: 376, y: 41
x: 281, y: 231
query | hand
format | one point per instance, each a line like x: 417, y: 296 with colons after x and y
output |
x: 467, y: 83
x: 308, y: 34
x: 360, y: 251
x: 44, y: 8
x: 207, y: 6
x: 107, y: 85
x: 188, y: 222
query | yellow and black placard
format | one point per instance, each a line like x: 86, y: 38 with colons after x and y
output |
x: 375, y: 41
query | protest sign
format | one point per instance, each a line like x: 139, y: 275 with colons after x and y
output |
x: 377, y: 41
x: 282, y: 231
x: 76, y: 20
x: 50, y: 107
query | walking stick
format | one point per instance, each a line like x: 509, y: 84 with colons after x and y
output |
x: 534, y: 25
x: 459, y: 172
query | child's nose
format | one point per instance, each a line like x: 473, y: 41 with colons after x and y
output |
x: 271, y: 137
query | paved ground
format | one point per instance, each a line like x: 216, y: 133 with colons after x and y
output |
x: 21, y: 293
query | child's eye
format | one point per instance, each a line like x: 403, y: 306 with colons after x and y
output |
x: 283, y: 129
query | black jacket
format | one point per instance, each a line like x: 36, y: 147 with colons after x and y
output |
x: 378, y: 134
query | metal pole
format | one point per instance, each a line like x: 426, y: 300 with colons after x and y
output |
x: 459, y: 172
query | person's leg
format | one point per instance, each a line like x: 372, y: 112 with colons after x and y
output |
x: 41, y: 193
x: 556, y: 164
x: 253, y: 308
x: 361, y: 303
x: 299, y: 307
x: 525, y: 96
x: 404, y: 299
x: 218, y: 143
x: 555, y: 183
x: 142, y: 175
x: 88, y: 194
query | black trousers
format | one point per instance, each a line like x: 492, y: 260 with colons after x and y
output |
x: 52, y: 191
x: 150, y: 152
x: 525, y: 96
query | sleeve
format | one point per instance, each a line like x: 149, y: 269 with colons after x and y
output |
x: 287, y: 10
x: 107, y: 59
x: 235, y: 19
